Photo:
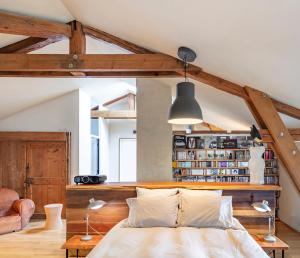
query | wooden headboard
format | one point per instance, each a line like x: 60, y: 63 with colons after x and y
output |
x: 115, y: 194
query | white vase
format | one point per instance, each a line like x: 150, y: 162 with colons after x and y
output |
x: 257, y: 165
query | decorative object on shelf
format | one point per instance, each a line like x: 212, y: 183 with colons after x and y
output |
x: 200, y: 144
x: 185, y: 109
x: 229, y: 143
x: 213, y: 145
x: 93, y: 205
x: 191, y: 142
x: 264, y: 207
x: 257, y: 165
x: 255, y: 135
x: 179, y: 141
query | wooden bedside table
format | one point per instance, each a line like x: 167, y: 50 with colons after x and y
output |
x: 278, y: 245
x: 75, y: 243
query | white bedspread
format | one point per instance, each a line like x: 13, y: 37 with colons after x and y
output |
x: 181, y: 242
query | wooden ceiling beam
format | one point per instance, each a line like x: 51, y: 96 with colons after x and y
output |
x: 135, y: 74
x: 126, y: 96
x: 196, y: 73
x: 283, y: 142
x: 103, y: 36
x: 33, y: 27
x: 85, y: 63
x: 294, y: 132
x: 286, y: 109
x: 114, y: 114
x: 212, y: 127
x: 29, y: 44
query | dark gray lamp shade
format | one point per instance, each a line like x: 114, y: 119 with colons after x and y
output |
x: 185, y: 109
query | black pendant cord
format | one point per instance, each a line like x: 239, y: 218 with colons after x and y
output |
x: 185, y: 67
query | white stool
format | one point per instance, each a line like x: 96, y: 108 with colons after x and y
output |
x: 53, y: 216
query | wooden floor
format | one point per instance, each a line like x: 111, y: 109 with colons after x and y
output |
x: 291, y: 237
x: 34, y: 242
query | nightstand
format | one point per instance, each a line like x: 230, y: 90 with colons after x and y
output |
x: 75, y: 243
x: 278, y: 245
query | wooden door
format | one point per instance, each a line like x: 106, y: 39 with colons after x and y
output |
x: 46, y: 173
x: 12, y: 166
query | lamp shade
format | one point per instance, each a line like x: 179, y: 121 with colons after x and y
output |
x: 185, y: 109
x: 93, y: 205
x: 262, y: 206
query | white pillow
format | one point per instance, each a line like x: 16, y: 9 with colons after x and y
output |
x: 206, y: 211
x: 153, y: 211
x: 141, y: 192
x: 200, y: 192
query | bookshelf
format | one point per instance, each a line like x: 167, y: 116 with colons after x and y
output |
x: 210, y: 161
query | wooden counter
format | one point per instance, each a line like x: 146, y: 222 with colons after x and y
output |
x: 115, y: 194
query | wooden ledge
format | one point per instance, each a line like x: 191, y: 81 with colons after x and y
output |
x: 189, y: 185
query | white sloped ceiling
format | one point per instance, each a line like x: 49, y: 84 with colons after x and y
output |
x: 253, y: 43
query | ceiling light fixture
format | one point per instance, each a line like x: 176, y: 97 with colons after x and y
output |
x: 185, y: 109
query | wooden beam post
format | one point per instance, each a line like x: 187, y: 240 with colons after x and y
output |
x: 283, y: 142
x: 77, y: 42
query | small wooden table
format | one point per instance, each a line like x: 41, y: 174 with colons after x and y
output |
x: 278, y: 245
x: 75, y: 243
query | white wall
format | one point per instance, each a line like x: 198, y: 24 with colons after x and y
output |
x: 59, y: 114
x: 118, y: 129
x: 154, y: 134
x: 84, y: 127
x: 104, y: 147
x: 289, y: 201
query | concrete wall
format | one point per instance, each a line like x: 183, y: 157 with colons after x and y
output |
x: 289, y: 201
x: 154, y: 134
x: 59, y: 114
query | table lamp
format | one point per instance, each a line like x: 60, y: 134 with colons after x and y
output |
x: 264, y: 207
x: 93, y: 205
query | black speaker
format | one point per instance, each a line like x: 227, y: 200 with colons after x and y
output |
x: 90, y: 179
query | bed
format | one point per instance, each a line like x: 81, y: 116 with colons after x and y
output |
x: 192, y: 226
x: 180, y: 242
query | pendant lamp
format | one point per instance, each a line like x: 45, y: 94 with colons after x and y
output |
x: 185, y: 109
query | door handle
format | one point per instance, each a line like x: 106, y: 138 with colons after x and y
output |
x: 28, y: 181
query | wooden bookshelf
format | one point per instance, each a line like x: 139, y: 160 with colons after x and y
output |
x: 219, y: 164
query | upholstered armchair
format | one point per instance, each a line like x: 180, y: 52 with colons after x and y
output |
x: 15, y: 213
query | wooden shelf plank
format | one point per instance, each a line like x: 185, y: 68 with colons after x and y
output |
x: 190, y: 185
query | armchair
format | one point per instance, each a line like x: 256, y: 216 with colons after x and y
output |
x: 15, y: 213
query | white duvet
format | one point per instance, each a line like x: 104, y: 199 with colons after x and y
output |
x: 181, y: 242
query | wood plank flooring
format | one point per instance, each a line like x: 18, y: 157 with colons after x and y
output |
x: 34, y: 242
